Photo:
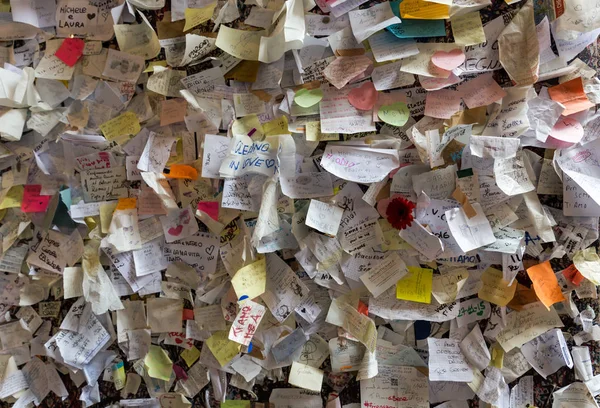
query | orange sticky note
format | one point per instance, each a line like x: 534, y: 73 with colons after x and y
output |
x: 571, y: 95
x: 182, y: 171
x: 126, y: 203
x: 172, y: 111
x: 545, y: 284
x: 573, y: 275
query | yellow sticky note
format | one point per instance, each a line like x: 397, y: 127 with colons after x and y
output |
x: 496, y: 290
x: 222, y: 348
x: 236, y: 404
x: 424, y: 10
x: 416, y: 285
x: 197, y: 16
x: 248, y: 126
x: 277, y: 126
x: 468, y: 29
x: 106, y: 213
x: 190, y: 355
x: 251, y: 280
x: 305, y: 376
x: 13, y: 198
x: 158, y: 364
x: 127, y: 203
x: 153, y: 64
x: 313, y: 133
x: 120, y: 128
x: 497, y: 356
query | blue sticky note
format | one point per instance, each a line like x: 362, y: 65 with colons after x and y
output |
x: 411, y: 28
x: 65, y: 196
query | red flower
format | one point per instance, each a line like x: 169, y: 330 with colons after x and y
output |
x: 399, y: 212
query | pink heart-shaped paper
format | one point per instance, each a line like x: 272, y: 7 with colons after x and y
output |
x: 448, y: 60
x: 363, y: 97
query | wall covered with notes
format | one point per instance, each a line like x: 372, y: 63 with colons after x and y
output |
x: 299, y: 203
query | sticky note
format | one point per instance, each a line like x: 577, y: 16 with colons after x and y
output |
x: 182, y: 171
x: 251, y: 280
x: 308, y: 97
x: 197, y: 16
x: 416, y: 285
x: 573, y: 275
x: 222, y: 348
x: 190, y: 355
x: 211, y: 208
x: 468, y: 29
x: 13, y: 198
x: 545, y: 284
x: 126, y: 203
x: 70, y: 51
x: 121, y: 127
x: 158, y: 364
x: 314, y: 134
x: 571, y: 95
x: 277, y: 126
x: 426, y: 10
x: 396, y: 114
x: 495, y: 289
x: 33, y: 201
x: 235, y: 404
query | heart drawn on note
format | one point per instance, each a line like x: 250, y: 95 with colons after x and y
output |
x: 448, y: 60
x: 363, y: 97
x: 176, y: 231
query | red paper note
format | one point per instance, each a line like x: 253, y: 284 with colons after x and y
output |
x: 33, y: 201
x: 211, y: 208
x: 70, y: 51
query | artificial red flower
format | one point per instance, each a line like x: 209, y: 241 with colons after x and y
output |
x: 399, y: 212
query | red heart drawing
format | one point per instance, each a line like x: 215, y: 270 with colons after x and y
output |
x: 448, y: 60
x: 176, y: 231
x: 363, y: 97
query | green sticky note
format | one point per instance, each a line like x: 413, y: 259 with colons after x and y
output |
x: 158, y: 364
x: 308, y: 97
x: 396, y: 114
x: 235, y: 404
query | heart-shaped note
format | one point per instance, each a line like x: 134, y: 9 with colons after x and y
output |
x: 363, y: 97
x: 308, y: 97
x: 448, y: 60
x: 396, y: 114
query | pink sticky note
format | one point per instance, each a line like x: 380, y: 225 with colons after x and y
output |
x: 363, y: 97
x: 448, y: 60
x: 180, y: 372
x: 568, y: 130
x: 70, y: 51
x: 211, y: 208
x: 481, y: 91
x: 33, y: 201
x: 442, y: 104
